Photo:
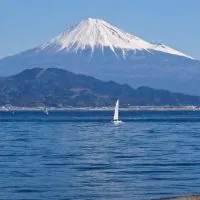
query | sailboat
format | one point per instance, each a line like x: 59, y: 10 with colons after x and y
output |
x: 116, y: 113
x: 46, y: 110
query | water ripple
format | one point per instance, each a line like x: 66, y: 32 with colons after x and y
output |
x: 152, y: 155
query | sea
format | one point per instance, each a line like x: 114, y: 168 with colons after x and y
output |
x: 82, y: 155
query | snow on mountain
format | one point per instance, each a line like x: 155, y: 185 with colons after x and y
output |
x: 97, y: 33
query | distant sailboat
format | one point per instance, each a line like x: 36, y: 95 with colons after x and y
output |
x: 46, y: 110
x: 116, y: 113
x: 8, y: 109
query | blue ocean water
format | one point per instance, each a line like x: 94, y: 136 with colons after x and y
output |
x: 83, y: 155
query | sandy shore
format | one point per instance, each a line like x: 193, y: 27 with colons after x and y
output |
x: 183, y: 198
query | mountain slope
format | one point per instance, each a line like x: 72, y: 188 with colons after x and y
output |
x: 60, y: 88
x: 96, y: 48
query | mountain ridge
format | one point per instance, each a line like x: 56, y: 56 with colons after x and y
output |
x: 61, y: 88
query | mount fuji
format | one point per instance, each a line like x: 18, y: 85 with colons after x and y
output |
x: 96, y: 48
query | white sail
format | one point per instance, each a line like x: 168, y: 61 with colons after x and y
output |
x: 116, y: 113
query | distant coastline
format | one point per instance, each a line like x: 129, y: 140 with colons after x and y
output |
x: 130, y: 108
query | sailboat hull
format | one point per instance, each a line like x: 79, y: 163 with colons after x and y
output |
x: 117, y: 122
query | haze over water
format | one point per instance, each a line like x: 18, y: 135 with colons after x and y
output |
x: 82, y: 155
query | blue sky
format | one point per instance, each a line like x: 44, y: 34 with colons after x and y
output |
x: 25, y: 24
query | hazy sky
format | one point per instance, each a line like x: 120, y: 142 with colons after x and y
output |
x: 27, y: 23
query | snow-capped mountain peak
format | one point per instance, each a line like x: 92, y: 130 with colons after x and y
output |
x: 96, y: 48
x: 97, y: 33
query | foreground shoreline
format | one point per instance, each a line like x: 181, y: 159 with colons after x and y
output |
x: 192, y: 197
x: 130, y: 108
